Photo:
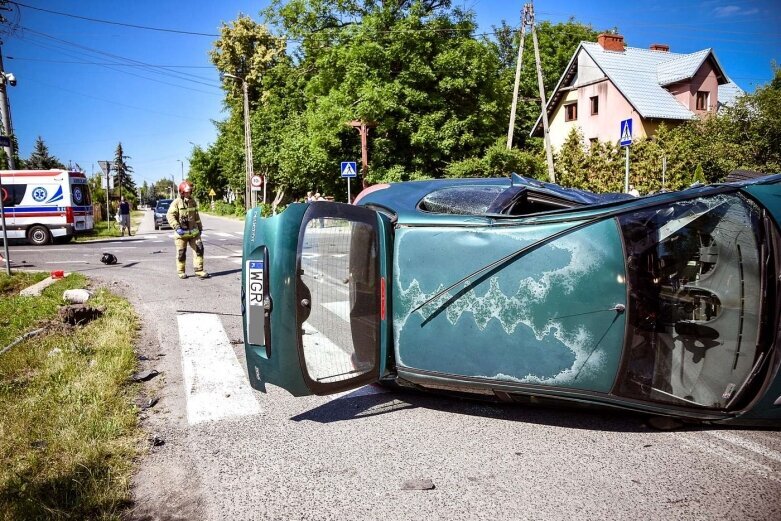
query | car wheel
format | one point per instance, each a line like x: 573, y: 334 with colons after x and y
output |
x: 157, y: 227
x: 38, y: 235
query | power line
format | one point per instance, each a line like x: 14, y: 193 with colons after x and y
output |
x: 111, y: 22
x: 154, y: 68
x: 107, y: 63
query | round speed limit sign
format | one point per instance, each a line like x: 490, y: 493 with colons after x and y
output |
x: 256, y: 181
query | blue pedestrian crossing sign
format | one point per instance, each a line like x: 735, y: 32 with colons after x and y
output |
x: 626, y: 133
x: 349, y: 169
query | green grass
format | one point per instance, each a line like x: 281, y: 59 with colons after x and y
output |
x: 104, y: 229
x: 69, y: 429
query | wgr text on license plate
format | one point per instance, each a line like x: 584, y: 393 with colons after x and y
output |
x: 255, y: 282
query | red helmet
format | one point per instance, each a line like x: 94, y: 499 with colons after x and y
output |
x: 185, y: 187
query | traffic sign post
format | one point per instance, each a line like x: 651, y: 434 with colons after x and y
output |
x: 256, y: 182
x: 625, y: 141
x: 349, y: 170
x: 106, y: 167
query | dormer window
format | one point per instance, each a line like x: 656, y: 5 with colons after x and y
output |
x: 571, y: 112
x: 703, y: 98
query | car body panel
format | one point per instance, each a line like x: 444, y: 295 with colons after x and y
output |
x: 548, y: 317
x: 518, y: 306
x: 315, y: 323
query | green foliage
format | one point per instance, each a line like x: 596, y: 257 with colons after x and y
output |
x: 698, y: 176
x: 498, y: 162
x: 41, y: 159
x: 223, y: 208
x: 123, y: 179
x: 69, y: 430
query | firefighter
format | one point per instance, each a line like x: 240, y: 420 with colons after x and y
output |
x: 184, y: 219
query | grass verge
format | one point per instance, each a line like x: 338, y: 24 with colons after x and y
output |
x: 69, y: 430
x: 110, y: 228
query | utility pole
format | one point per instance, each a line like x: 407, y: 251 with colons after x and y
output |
x: 6, y: 112
x: 518, y: 64
x: 543, y: 102
x: 363, y: 129
x: 9, y: 149
x: 527, y: 19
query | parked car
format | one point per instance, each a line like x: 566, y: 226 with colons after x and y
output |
x: 522, y: 291
x: 161, y: 208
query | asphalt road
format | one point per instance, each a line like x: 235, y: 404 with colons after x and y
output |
x: 373, y: 454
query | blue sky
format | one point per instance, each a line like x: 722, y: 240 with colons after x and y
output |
x: 83, y: 109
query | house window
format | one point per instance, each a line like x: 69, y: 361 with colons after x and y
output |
x: 702, y: 100
x: 571, y: 112
x: 594, y: 105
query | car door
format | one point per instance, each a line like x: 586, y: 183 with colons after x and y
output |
x: 314, y: 297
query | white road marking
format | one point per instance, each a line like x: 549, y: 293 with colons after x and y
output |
x: 341, y: 309
x: 67, y: 262
x: 150, y: 236
x: 112, y: 248
x: 698, y: 442
x: 159, y: 241
x: 38, y: 250
x: 223, y: 234
x: 740, y: 441
x: 214, y: 383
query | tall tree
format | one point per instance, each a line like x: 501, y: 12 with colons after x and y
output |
x: 123, y: 178
x: 248, y: 50
x: 41, y: 159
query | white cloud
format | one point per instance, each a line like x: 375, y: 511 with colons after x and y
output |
x: 733, y: 10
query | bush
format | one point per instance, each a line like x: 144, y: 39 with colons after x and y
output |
x: 223, y: 208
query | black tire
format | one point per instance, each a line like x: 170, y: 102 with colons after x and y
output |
x: 38, y: 235
x: 156, y: 227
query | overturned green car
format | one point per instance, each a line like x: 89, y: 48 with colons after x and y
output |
x: 514, y: 289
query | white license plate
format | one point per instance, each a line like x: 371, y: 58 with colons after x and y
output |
x: 255, y: 282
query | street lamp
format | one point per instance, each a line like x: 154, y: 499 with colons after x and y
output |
x: 247, y: 141
x: 181, y: 163
x: 5, y: 108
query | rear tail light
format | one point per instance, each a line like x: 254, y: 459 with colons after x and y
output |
x: 69, y: 215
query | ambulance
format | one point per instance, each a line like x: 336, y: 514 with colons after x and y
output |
x: 46, y: 205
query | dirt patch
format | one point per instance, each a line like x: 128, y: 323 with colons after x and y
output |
x: 164, y: 486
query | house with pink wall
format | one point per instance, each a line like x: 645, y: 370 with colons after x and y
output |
x: 606, y: 82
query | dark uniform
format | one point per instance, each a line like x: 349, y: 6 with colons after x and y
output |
x: 184, y: 219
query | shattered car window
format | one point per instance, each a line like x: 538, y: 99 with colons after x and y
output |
x: 694, y: 275
x: 461, y: 200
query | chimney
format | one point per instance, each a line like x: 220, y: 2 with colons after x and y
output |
x: 660, y: 47
x: 611, y: 42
